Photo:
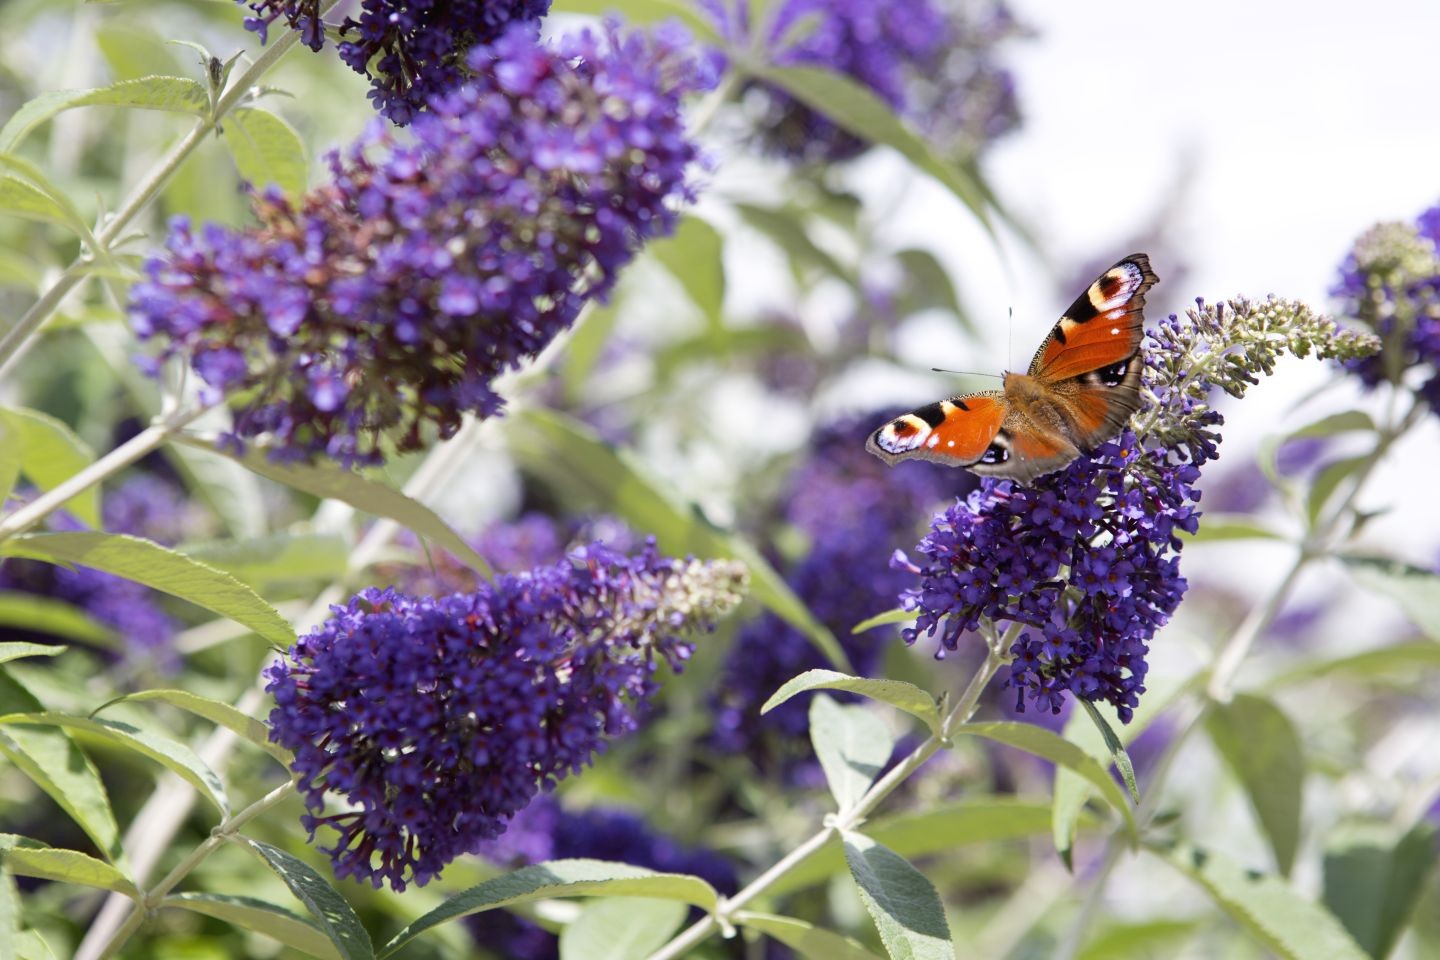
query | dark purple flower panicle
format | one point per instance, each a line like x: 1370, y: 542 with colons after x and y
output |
x: 933, y: 62
x: 854, y: 512
x: 388, y: 301
x: 1084, y: 563
x: 1390, y: 282
x: 436, y: 720
x: 411, y: 50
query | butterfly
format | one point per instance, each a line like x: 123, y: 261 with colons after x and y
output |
x: 1080, y: 390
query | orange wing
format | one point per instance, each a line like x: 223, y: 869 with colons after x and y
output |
x: 958, y: 432
x: 1103, y: 327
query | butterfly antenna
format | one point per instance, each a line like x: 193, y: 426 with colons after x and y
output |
x: 1010, y: 338
x: 966, y: 373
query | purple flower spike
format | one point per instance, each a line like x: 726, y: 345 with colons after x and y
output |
x: 437, y: 720
x: 381, y: 308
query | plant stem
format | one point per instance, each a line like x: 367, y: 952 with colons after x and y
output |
x: 1319, y: 543
x: 845, y: 820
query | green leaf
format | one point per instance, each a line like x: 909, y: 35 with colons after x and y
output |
x: 30, y: 858
x: 1263, y: 750
x: 586, y: 343
x: 852, y: 744
x: 50, y: 454
x: 22, y: 199
x: 32, y: 946
x: 1410, y: 659
x: 1328, y: 480
x: 856, y: 108
x: 52, y: 205
x: 1374, y: 877
x: 280, y: 558
x: 629, y: 929
x: 928, y: 286
x: 19, y: 650
x: 1416, y: 589
x: 561, y: 878
x: 55, y: 618
x: 899, y: 694
x: 57, y: 765
x: 369, y: 496
x: 1280, y: 918
x: 162, y: 569
x: 1218, y: 527
x: 1118, y: 755
x: 806, y: 939
x: 1056, y: 749
x: 337, y: 921
x: 936, y: 830
x: 641, y: 12
x: 884, y: 620
x: 260, y: 916
x: 171, y: 94
x: 904, y: 905
x: 572, y: 457
x: 267, y: 150
x: 1153, y: 938
x: 171, y: 754
x: 1349, y: 420
x: 223, y: 714
x: 694, y: 255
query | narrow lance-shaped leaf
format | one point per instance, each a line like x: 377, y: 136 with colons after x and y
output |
x: 336, y: 918
x: 561, y: 878
x: 897, y: 693
x: 259, y: 916
x: 1280, y: 918
x: 1262, y: 748
x: 806, y: 939
x: 267, y: 150
x: 1416, y: 589
x: 30, y: 858
x: 172, y: 94
x: 161, y: 568
x: 904, y: 905
x: 1375, y: 876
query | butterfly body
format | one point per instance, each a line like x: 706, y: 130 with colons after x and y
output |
x: 1079, y: 391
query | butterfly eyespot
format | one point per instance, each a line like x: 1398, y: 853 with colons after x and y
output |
x: 1114, y: 375
x: 995, y: 453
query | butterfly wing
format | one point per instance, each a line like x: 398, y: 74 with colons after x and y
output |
x: 959, y: 432
x: 1092, y: 357
x: 1104, y: 325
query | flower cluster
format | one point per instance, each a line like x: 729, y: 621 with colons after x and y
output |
x: 852, y: 510
x: 930, y: 60
x: 436, y: 720
x: 411, y: 50
x: 546, y: 831
x: 387, y: 302
x: 1084, y: 564
x: 143, y: 505
x: 1391, y: 282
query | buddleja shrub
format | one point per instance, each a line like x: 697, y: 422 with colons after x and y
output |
x: 357, y: 501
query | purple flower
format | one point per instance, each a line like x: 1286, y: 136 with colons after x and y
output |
x: 1084, y: 565
x: 381, y: 308
x: 437, y: 720
x: 411, y: 50
x: 931, y: 62
x: 1390, y: 281
x: 854, y: 512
